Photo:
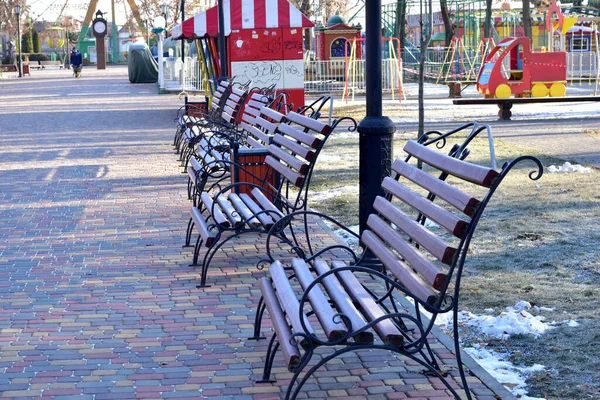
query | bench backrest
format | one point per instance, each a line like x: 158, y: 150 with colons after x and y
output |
x: 220, y: 96
x: 233, y: 105
x: 424, y: 260
x: 293, y: 153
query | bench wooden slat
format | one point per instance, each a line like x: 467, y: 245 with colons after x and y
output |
x: 300, y: 136
x: 428, y: 240
x: 405, y: 275
x: 344, y: 303
x: 243, y: 209
x: 432, y: 273
x: 291, y: 353
x: 323, y: 311
x: 434, y: 212
x: 237, y: 91
x: 264, y: 219
x: 386, y: 329
x: 295, y: 178
x: 254, y: 144
x: 257, y: 133
x: 308, y: 155
x: 470, y: 172
x: 229, y: 210
x: 289, y: 301
x: 265, y: 125
x: 273, y: 115
x: 202, y: 227
x: 265, y: 203
x: 458, y: 199
x: 289, y: 159
x: 312, y: 124
x: 217, y: 215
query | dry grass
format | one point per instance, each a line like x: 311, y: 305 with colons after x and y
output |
x: 539, y: 241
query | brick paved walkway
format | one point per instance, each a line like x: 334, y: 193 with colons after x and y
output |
x: 97, y: 299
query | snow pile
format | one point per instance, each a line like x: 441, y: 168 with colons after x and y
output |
x: 568, y: 167
x: 504, y: 371
x: 514, y: 321
x: 320, y: 196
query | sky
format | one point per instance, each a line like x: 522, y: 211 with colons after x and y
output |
x: 49, y: 9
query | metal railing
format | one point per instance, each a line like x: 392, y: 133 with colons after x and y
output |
x: 339, y: 76
x: 180, y: 76
x: 336, y: 76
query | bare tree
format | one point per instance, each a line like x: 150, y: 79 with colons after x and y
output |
x: 425, y: 39
x: 8, y: 19
x: 448, y: 26
x: 526, y: 18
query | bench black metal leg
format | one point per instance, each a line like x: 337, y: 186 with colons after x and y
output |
x: 199, y: 242
x: 188, y: 233
x: 270, y: 357
x: 260, y: 311
x: 504, y: 112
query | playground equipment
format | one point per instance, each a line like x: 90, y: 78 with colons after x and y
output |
x: 208, y: 62
x: 392, y: 74
x: 513, y: 69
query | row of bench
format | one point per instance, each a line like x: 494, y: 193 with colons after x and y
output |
x: 321, y: 299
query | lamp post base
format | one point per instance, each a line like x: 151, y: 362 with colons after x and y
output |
x: 375, y: 161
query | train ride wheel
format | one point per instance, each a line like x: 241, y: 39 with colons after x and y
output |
x: 503, y: 91
x: 539, y: 90
x: 558, y: 90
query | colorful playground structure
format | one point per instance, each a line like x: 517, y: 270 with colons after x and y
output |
x: 337, y: 63
x: 512, y: 69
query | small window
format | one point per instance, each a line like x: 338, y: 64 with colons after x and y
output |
x: 580, y: 44
x: 340, y: 48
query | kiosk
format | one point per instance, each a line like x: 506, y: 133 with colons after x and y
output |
x: 264, y: 42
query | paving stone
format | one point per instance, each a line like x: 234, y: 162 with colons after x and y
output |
x: 97, y: 298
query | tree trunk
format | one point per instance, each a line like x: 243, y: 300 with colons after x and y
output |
x: 488, y: 19
x: 448, y: 28
x: 526, y: 19
x: 425, y: 39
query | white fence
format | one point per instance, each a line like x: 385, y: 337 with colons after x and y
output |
x: 338, y: 76
x: 180, y: 76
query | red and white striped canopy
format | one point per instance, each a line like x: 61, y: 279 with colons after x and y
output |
x: 243, y: 14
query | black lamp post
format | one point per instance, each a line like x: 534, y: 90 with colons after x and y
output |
x: 19, y: 61
x: 182, y: 6
x: 375, y: 131
x: 222, y: 50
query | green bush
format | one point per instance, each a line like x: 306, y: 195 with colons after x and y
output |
x: 38, y: 57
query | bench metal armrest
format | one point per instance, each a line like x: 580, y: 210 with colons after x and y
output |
x: 310, y: 253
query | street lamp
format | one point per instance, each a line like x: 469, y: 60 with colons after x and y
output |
x: 159, y: 27
x: 19, y: 62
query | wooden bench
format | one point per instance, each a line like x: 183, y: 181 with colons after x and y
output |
x: 505, y: 105
x: 212, y: 153
x: 51, y: 64
x: 200, y: 114
x: 8, y: 68
x: 35, y: 65
x: 244, y: 207
x: 343, y: 307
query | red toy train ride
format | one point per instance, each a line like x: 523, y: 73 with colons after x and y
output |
x: 512, y: 69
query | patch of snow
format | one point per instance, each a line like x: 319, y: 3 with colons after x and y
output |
x: 571, y: 323
x: 329, y: 157
x: 514, y: 321
x: 344, y: 135
x: 320, y: 196
x: 430, y: 224
x: 504, y: 371
x: 568, y: 167
x: 350, y: 240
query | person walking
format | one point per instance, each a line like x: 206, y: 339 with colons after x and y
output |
x: 76, y: 60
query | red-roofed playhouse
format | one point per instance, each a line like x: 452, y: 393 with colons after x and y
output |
x: 264, y: 42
